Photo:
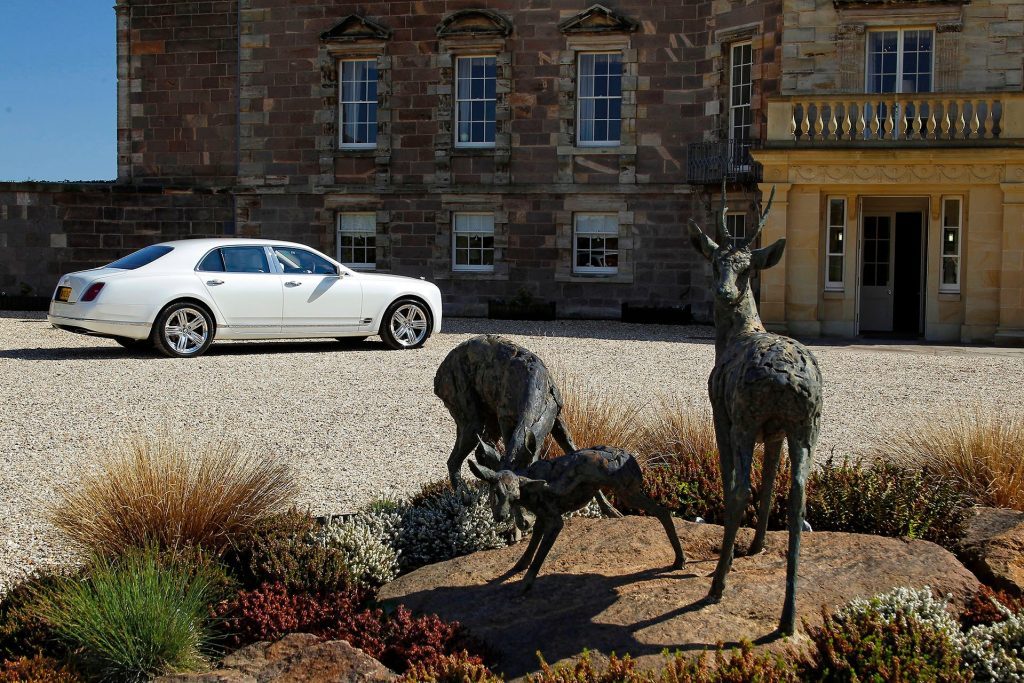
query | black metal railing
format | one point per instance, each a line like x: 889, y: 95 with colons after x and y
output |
x: 712, y: 162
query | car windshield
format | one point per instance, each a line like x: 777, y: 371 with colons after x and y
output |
x: 141, y: 257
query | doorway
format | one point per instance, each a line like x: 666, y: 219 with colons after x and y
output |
x: 892, y: 268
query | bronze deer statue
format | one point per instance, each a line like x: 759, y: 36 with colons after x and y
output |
x: 497, y: 389
x: 764, y: 387
x: 551, y: 488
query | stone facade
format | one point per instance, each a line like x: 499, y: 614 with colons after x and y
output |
x: 241, y: 97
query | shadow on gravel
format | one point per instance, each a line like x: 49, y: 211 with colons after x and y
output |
x: 231, y: 349
x: 612, y: 330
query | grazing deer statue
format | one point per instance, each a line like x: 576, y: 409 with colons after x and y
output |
x: 551, y: 488
x: 764, y: 387
x: 497, y: 389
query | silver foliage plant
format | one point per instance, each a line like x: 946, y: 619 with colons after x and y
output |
x: 995, y: 653
x: 371, y: 560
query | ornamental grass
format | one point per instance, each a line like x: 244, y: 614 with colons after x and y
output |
x: 163, y: 491
x: 981, y: 452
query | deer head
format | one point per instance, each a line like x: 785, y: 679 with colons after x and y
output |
x: 505, y: 486
x: 733, y: 265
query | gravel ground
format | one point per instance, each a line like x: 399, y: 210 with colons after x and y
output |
x: 360, y: 422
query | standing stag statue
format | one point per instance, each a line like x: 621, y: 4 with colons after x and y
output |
x: 496, y: 389
x: 764, y: 387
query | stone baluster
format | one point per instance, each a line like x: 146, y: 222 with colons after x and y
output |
x: 961, y: 122
x: 792, y: 121
x: 889, y: 124
x: 833, y: 122
x: 876, y: 122
x: 975, y: 121
x: 847, y: 123
x: 932, y: 123
x: 947, y: 123
x: 918, y: 122
x: 819, y: 123
x: 861, y: 123
x: 805, y: 126
x: 990, y: 120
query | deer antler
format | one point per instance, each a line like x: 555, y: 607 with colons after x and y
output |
x: 763, y: 219
x: 722, y: 235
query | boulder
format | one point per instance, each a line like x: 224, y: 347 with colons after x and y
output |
x: 993, y: 548
x: 606, y: 586
x: 296, y: 658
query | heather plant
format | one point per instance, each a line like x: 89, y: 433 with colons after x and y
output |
x: 281, y: 549
x: 22, y: 632
x: 886, y: 499
x: 166, y: 492
x: 36, y: 669
x: 996, y: 652
x: 988, y: 606
x: 132, y: 617
x: 457, y: 668
x: 370, y: 560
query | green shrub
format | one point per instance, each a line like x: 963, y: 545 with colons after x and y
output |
x: 885, y: 499
x: 865, y: 643
x: 281, y: 549
x: 36, y: 669
x: 133, y: 617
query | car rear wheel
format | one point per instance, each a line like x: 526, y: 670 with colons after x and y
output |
x: 132, y: 344
x: 406, y: 324
x: 183, y: 330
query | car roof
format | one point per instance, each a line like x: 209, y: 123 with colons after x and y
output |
x: 206, y: 243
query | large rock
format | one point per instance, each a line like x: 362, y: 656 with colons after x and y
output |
x: 605, y: 587
x: 993, y: 548
x: 296, y: 658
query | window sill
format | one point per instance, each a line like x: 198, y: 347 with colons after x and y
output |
x: 361, y: 152
x: 595, y: 278
x: 835, y: 294
x: 949, y: 296
x: 487, y: 275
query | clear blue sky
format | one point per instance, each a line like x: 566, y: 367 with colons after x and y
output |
x: 58, y: 90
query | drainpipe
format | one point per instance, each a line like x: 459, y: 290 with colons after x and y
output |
x: 122, y: 11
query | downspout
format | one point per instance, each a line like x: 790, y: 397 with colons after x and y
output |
x: 122, y: 12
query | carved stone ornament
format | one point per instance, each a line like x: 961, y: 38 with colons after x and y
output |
x: 354, y: 27
x: 474, y: 23
x: 598, y: 19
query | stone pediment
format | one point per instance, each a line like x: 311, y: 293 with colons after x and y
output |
x: 598, y: 19
x: 354, y: 27
x: 474, y: 22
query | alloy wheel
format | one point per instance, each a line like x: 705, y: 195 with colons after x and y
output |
x: 409, y: 325
x: 186, y: 331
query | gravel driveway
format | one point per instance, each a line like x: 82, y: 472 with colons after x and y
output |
x: 362, y: 421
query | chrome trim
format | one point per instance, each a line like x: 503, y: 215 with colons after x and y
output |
x: 95, y: 320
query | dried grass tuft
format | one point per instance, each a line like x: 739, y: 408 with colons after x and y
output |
x: 982, y: 453
x: 160, y: 490
x: 596, y: 418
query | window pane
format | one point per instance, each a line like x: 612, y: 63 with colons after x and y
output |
x: 950, y: 274
x: 951, y: 213
x: 213, y: 263
x: 358, y: 103
x: 245, y: 260
x: 951, y: 241
x: 835, y: 239
x: 835, y: 268
x: 835, y: 216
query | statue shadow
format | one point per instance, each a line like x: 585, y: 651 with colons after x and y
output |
x: 565, y: 614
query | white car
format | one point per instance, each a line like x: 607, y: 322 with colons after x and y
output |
x: 180, y: 296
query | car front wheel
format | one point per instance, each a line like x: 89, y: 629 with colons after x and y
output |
x: 406, y: 324
x: 183, y: 330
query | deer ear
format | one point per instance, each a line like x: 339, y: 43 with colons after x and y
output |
x: 483, y: 473
x: 701, y: 242
x: 533, y: 485
x: 486, y: 454
x: 766, y: 257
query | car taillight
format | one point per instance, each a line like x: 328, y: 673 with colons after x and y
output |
x: 94, y: 289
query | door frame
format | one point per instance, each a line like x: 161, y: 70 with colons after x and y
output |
x: 926, y: 213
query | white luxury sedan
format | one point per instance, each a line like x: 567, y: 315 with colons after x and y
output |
x: 180, y: 296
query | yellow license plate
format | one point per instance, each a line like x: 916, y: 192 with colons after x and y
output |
x: 63, y: 293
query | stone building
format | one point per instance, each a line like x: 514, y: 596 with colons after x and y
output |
x: 895, y: 147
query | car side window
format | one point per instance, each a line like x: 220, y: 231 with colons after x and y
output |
x: 212, y: 262
x: 300, y: 261
x: 245, y: 260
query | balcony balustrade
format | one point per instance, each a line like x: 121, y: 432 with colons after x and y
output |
x: 711, y: 162
x: 881, y: 119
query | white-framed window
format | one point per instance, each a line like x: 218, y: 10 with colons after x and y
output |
x: 740, y: 90
x: 357, y: 240
x: 599, y: 99
x: 900, y: 60
x: 357, y: 103
x: 475, y: 101
x: 737, y: 225
x: 952, y: 233
x: 595, y: 243
x: 835, y: 243
x: 473, y: 242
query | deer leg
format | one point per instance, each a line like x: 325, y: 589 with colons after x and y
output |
x: 800, y: 464
x: 772, y: 456
x: 560, y: 433
x: 531, y: 550
x: 736, y: 498
x: 550, y: 527
x: 636, y: 498
x: 465, y: 442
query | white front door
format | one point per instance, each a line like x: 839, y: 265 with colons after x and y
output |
x: 245, y: 289
x: 319, y: 301
x: 876, y: 299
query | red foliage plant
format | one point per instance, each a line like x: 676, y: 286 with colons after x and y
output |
x: 399, y: 640
x: 981, y: 610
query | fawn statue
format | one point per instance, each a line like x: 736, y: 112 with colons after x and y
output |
x: 551, y: 488
x: 764, y: 387
x: 499, y: 390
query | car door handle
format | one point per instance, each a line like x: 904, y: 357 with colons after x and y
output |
x: 214, y: 283
x: 292, y: 283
